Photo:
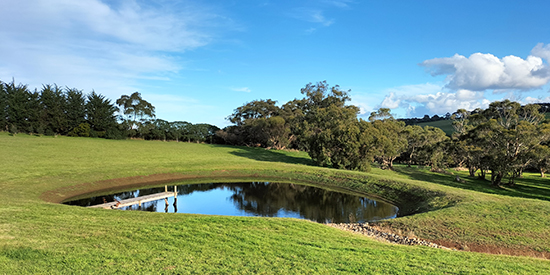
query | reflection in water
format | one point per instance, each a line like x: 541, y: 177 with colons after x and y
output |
x: 260, y: 199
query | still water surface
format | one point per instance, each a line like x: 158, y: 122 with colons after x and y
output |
x: 265, y: 199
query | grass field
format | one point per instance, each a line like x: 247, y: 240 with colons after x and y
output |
x: 39, y: 235
x: 445, y: 125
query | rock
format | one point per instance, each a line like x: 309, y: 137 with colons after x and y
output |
x: 366, y: 229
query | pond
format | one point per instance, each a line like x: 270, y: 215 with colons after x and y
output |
x: 265, y: 199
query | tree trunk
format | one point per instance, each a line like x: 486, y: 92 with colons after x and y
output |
x: 482, y: 174
x: 472, y: 170
x: 542, y: 173
x: 391, y: 163
x: 496, y: 178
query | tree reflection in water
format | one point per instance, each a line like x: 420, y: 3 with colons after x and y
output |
x: 270, y: 200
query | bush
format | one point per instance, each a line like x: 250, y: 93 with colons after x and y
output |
x: 82, y: 130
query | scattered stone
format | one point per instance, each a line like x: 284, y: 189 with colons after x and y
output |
x: 366, y: 229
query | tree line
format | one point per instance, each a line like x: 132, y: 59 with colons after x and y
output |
x: 505, y: 139
x: 56, y: 110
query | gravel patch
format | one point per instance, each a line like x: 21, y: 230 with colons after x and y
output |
x: 366, y: 229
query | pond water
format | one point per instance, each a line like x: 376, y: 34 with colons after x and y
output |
x: 265, y: 199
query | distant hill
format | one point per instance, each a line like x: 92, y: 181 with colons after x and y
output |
x: 443, y: 122
x: 446, y: 124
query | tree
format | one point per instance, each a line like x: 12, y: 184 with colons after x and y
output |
x: 202, y: 132
x: 179, y: 130
x: 75, y: 108
x: 3, y: 107
x: 53, y: 110
x: 422, y: 144
x: 390, y: 140
x: 254, y: 110
x: 23, y: 108
x: 332, y: 134
x: 508, y: 137
x: 100, y: 114
x: 258, y: 123
x: 134, y: 106
x: 460, y: 121
x: 381, y: 114
x: 541, y: 157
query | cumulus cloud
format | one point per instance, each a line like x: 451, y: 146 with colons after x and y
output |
x: 480, y: 72
x: 390, y: 101
x: 99, y: 44
x: 419, y: 100
x: 442, y: 102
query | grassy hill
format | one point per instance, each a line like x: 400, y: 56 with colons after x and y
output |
x: 39, y: 235
x: 445, y: 125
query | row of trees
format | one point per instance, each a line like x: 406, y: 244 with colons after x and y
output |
x: 505, y: 139
x: 325, y: 126
x: 55, y: 110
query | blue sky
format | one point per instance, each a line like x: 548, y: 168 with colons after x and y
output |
x: 197, y: 61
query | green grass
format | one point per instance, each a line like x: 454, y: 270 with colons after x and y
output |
x: 38, y: 236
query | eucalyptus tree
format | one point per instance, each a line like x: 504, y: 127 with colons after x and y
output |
x: 507, y: 138
x: 541, y: 159
x: 333, y: 135
x: 293, y: 114
x: 254, y: 110
x: 460, y: 121
x: 422, y: 144
x: 258, y: 123
x: 390, y: 140
x: 134, y: 107
x: 161, y: 129
x: 179, y: 130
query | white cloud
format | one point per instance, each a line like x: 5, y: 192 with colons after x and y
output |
x: 94, y: 44
x: 541, y: 51
x: 363, y: 102
x: 390, y: 101
x: 530, y: 100
x: 448, y: 102
x: 338, y: 3
x: 419, y: 100
x: 481, y: 72
x: 312, y: 15
x: 242, y: 89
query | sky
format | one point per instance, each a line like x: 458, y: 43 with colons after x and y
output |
x: 197, y: 61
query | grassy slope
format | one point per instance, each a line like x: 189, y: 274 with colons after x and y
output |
x: 445, y: 125
x: 37, y: 236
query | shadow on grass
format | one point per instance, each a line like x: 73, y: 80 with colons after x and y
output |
x: 527, y: 187
x: 262, y: 154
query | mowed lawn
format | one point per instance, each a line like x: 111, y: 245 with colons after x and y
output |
x: 38, y: 235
